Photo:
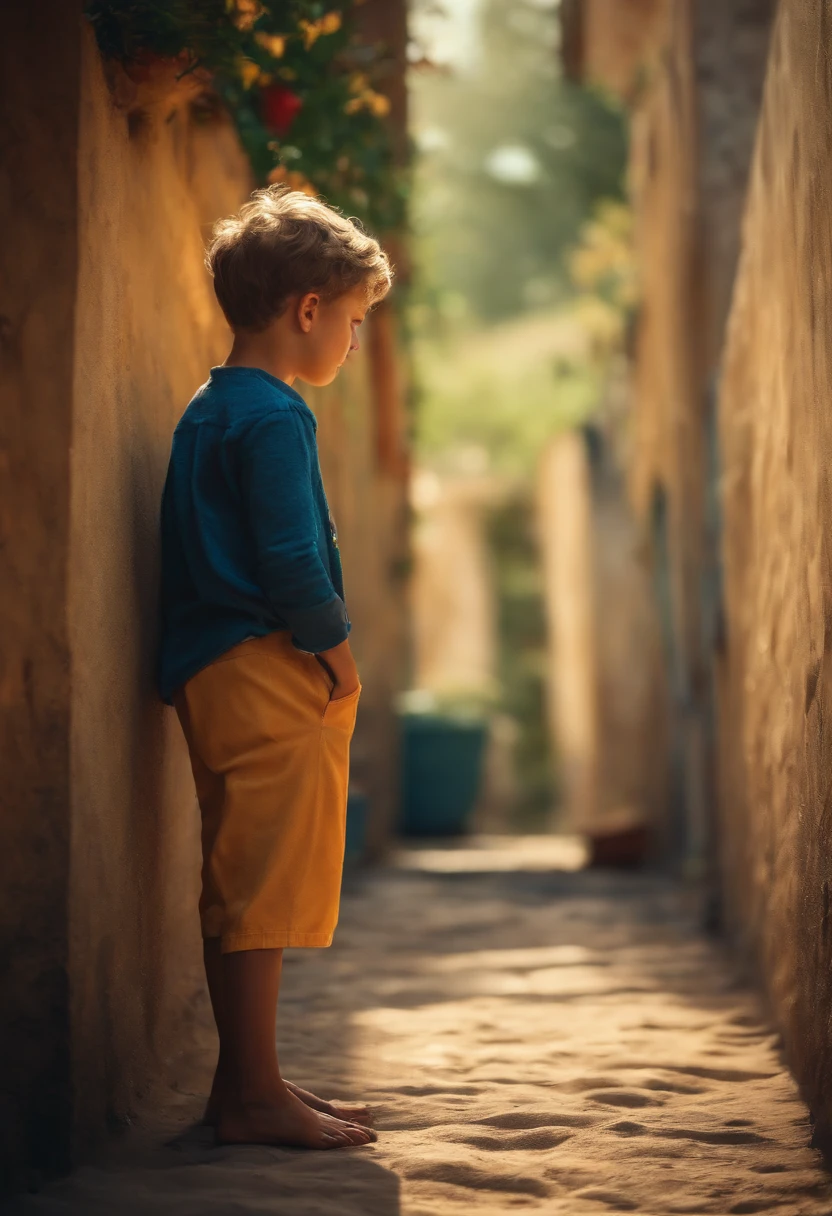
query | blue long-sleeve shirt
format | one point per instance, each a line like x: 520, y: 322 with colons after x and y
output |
x: 248, y: 544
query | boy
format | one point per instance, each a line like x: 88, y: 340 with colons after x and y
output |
x: 254, y: 651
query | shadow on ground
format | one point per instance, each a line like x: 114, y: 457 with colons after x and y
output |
x: 553, y: 1040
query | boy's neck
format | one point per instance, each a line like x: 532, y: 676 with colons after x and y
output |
x: 258, y: 350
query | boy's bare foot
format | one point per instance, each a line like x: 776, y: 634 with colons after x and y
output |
x: 350, y: 1112
x: 287, y: 1121
x: 347, y: 1111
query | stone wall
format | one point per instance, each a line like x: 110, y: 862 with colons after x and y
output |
x: 733, y: 371
x: 691, y: 72
x: 364, y: 438
x: 108, y: 324
x: 370, y: 510
x: 776, y: 431
x: 454, y: 594
x: 147, y: 328
x: 693, y: 137
x: 38, y: 258
x: 613, y: 41
x: 632, y: 692
x: 565, y: 530
x: 607, y: 698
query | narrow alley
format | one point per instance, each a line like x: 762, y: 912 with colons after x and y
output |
x: 530, y: 1039
x: 533, y: 302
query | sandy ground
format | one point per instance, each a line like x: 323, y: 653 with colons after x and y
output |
x: 531, y: 1040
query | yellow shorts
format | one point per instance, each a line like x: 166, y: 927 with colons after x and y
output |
x: 270, y: 758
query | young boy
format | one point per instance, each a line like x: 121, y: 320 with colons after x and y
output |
x: 254, y: 651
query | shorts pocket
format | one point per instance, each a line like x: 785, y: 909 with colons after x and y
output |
x: 324, y: 674
x: 340, y: 714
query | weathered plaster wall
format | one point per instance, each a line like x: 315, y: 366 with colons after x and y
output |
x: 667, y: 406
x: 776, y: 429
x: 369, y: 507
x: 107, y: 325
x: 147, y: 329
x: 692, y: 139
x: 631, y: 789
x: 364, y: 444
x: 695, y: 70
x: 607, y: 697
x: 764, y: 659
x: 614, y: 41
x: 377, y: 551
x: 731, y: 47
x: 564, y: 527
x: 38, y: 217
x: 454, y: 592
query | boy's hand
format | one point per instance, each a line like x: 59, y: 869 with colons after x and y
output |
x: 340, y: 664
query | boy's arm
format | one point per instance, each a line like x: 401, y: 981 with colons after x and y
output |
x: 277, y: 487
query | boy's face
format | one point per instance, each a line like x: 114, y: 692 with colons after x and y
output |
x: 330, y: 333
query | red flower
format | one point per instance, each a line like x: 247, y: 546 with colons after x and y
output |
x: 279, y: 107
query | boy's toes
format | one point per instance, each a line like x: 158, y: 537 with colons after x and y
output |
x: 349, y: 1112
x: 369, y: 1134
x: 334, y: 1140
x: 354, y: 1133
x: 283, y: 1120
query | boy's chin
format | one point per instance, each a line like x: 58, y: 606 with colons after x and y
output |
x: 321, y: 379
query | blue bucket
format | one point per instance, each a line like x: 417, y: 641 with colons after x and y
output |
x: 442, y: 762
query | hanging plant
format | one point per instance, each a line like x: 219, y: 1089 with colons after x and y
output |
x: 298, y: 82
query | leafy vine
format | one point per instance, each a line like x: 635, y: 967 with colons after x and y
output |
x: 301, y: 86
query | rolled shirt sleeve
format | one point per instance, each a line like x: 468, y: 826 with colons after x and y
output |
x: 277, y: 479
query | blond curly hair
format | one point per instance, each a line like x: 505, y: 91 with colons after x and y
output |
x: 283, y: 244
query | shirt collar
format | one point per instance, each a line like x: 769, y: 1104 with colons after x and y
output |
x: 219, y: 372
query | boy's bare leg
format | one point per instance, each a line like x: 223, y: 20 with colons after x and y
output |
x: 349, y: 1112
x: 255, y: 1106
x: 212, y: 957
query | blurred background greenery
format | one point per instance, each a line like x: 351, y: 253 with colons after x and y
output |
x: 523, y: 281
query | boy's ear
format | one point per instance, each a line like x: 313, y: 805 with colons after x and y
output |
x: 308, y: 310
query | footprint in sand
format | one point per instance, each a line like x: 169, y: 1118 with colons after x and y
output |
x: 540, y: 1138
x: 671, y: 1087
x: 623, y: 1097
x: 580, y: 1085
x: 685, y: 1133
x: 458, y: 1174
x: 428, y: 1091
x: 618, y: 1203
x: 626, y: 1128
x: 521, y: 1120
x: 720, y: 1074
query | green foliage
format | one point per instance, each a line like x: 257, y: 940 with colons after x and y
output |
x: 128, y: 29
x: 514, y: 159
x: 506, y: 389
x: 523, y: 267
x: 524, y: 278
x: 296, y: 80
